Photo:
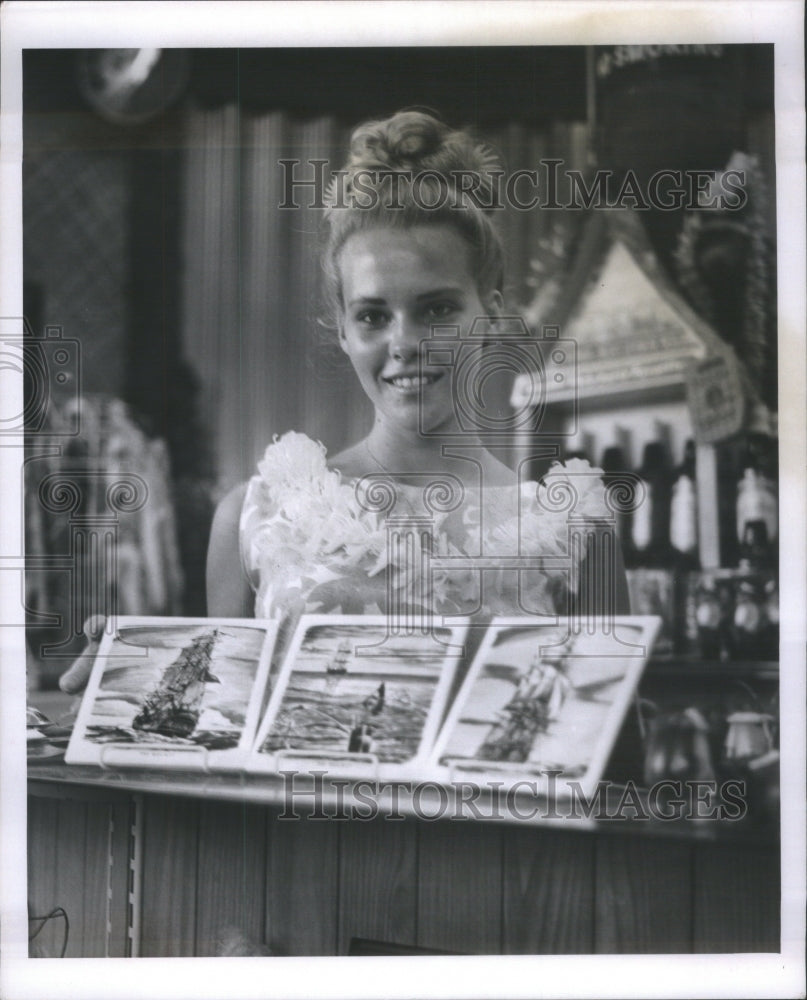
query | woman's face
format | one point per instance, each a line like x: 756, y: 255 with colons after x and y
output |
x: 397, y: 284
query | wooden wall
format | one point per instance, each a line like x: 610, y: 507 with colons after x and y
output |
x: 78, y: 858
x: 307, y: 887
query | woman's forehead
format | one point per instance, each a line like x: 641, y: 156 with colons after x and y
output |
x: 405, y: 258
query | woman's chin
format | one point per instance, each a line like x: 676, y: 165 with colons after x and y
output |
x: 410, y: 412
x: 426, y: 426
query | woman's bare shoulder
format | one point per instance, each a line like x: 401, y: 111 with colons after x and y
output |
x: 228, y: 590
x: 352, y: 462
x: 228, y: 511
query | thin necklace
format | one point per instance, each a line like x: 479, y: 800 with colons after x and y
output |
x: 400, y: 488
x: 377, y: 461
x: 373, y: 458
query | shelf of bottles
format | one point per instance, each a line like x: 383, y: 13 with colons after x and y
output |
x: 701, y: 548
x: 700, y: 551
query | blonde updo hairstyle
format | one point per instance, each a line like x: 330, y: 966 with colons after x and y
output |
x: 429, y: 159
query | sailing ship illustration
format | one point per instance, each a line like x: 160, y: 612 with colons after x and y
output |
x: 361, y: 739
x: 174, y: 706
x: 363, y: 733
x: 537, y: 700
x: 338, y: 665
x: 374, y: 703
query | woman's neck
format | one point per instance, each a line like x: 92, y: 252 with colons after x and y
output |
x: 405, y: 453
x: 401, y: 451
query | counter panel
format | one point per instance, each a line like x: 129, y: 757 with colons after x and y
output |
x: 198, y: 872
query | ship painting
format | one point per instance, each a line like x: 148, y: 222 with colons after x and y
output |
x: 174, y: 706
x: 338, y: 665
x: 349, y: 689
x: 538, y: 697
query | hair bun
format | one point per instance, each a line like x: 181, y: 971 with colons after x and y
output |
x: 414, y: 135
x: 413, y: 141
x: 432, y: 166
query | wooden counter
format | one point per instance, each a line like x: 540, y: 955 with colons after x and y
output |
x: 160, y: 864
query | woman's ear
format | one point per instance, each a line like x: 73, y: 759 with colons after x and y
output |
x: 494, y: 306
x: 341, y: 334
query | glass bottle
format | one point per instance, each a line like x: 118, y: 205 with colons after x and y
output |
x: 614, y: 468
x: 650, y: 529
x: 684, y: 543
x: 757, y: 503
x: 684, y: 512
x: 757, y: 517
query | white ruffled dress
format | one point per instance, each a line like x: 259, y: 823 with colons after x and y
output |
x: 315, y: 542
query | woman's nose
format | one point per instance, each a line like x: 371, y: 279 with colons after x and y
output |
x: 405, y: 339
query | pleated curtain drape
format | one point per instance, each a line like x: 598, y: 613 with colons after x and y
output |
x: 250, y: 282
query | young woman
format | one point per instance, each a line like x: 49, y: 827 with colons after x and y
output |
x: 414, y: 276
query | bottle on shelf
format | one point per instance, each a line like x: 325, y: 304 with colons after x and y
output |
x: 708, y: 621
x: 684, y: 512
x: 580, y: 445
x: 650, y: 577
x: 755, y: 548
x: 684, y: 544
x: 757, y: 504
x: 614, y: 467
x: 751, y: 624
x: 650, y: 528
x: 718, y: 638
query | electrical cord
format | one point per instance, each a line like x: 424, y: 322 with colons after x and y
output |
x: 55, y: 912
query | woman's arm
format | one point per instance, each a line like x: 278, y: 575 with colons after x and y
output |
x: 229, y: 594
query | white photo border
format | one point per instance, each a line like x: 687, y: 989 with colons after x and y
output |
x: 576, y: 22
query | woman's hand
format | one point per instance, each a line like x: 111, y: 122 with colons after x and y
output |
x: 75, y: 678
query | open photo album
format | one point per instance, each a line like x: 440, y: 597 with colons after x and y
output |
x: 535, y: 698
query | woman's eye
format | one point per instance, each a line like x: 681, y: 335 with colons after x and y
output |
x: 372, y: 319
x: 440, y: 310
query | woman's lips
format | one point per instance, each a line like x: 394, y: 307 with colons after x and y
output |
x: 407, y: 383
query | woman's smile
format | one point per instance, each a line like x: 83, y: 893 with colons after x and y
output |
x: 411, y: 383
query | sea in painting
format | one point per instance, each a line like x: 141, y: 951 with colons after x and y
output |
x: 355, y: 690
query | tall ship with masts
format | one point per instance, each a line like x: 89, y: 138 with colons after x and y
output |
x: 174, y: 706
x: 338, y: 664
x: 536, y: 701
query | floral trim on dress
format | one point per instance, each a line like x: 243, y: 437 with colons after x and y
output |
x: 309, y: 545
